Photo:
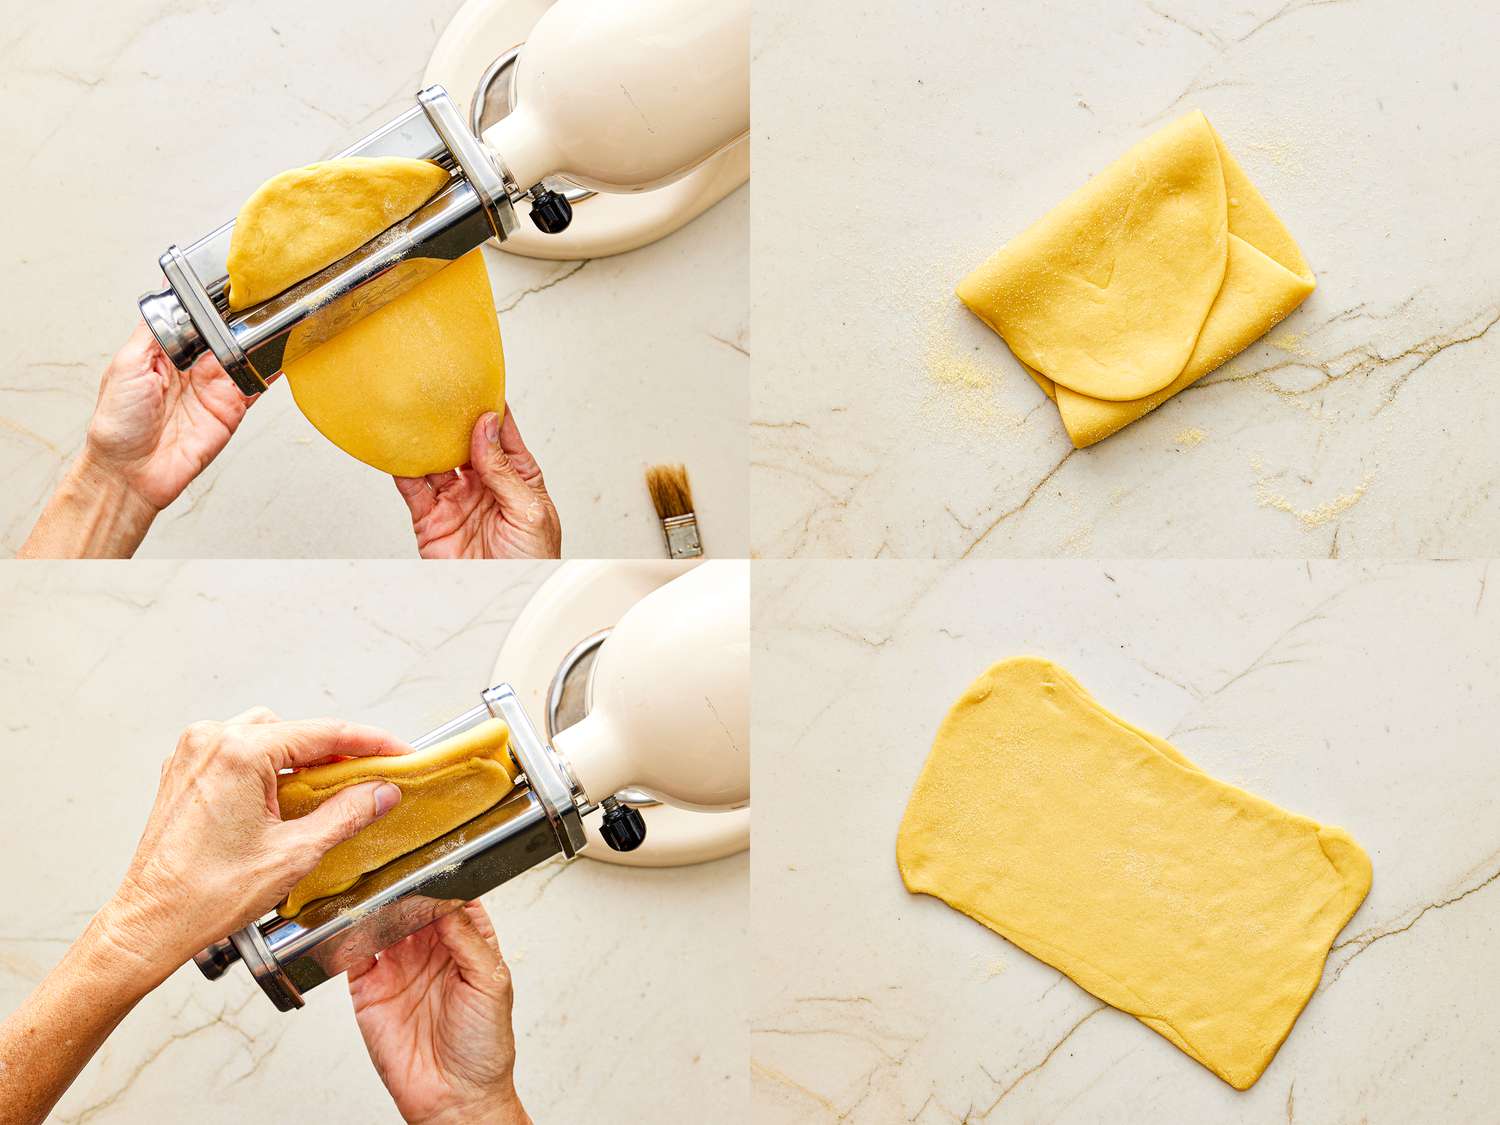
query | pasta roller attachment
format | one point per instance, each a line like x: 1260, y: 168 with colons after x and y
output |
x: 540, y: 818
x: 192, y: 315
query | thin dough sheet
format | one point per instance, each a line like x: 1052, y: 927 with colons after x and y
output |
x: 402, y: 388
x: 1204, y: 911
x: 441, y: 787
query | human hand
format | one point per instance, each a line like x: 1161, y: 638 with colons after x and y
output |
x: 495, y: 507
x: 215, y: 854
x: 154, y: 429
x: 434, y: 1010
x: 157, y: 428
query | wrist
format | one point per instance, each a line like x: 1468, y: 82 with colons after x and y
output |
x: 501, y: 1108
x: 123, y: 944
x: 95, y: 513
x: 106, y: 479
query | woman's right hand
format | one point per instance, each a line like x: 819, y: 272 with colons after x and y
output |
x: 435, y: 1013
x: 215, y: 854
x: 495, y: 507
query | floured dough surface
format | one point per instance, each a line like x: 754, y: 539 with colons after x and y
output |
x: 441, y: 787
x: 401, y: 388
x: 1204, y: 911
x: 1156, y: 271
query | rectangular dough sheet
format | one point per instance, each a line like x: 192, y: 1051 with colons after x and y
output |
x: 441, y: 787
x: 1204, y: 911
x: 1159, y: 269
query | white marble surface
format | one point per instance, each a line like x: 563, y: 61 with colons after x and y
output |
x: 102, y: 667
x: 1359, y: 693
x: 136, y: 124
x: 895, y: 151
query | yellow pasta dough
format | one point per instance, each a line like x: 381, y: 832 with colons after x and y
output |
x: 1155, y: 272
x: 307, y: 218
x: 1200, y: 909
x: 441, y: 788
x: 401, y: 388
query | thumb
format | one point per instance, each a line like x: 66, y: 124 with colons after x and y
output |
x: 494, y: 467
x: 308, y: 838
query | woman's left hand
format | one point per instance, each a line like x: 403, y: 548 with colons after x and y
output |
x: 157, y: 428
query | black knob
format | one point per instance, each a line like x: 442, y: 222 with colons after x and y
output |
x: 551, y: 212
x: 623, y: 828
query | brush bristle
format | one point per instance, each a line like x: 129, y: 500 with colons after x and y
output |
x: 670, y: 492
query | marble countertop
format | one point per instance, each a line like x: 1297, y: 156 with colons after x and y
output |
x: 152, y: 129
x: 1361, y: 694
x: 887, y: 420
x: 96, y: 681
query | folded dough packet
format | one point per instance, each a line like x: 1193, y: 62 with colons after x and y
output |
x: 1204, y: 911
x: 441, y: 787
x: 1162, y: 267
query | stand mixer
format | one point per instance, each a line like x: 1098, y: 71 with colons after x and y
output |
x: 668, y: 715
x: 548, y: 658
x: 616, y: 98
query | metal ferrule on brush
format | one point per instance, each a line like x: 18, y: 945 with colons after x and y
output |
x: 682, y: 536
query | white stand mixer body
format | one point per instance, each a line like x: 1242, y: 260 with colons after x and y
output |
x: 626, y: 97
x: 669, y: 708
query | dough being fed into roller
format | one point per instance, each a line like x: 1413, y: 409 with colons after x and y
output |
x: 402, y: 388
x: 441, y: 787
x: 1202, y: 910
x: 1155, y: 272
x: 307, y: 218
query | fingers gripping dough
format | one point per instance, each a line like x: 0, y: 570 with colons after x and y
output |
x: 402, y: 388
x: 1155, y: 272
x: 441, y: 788
x: 1200, y: 909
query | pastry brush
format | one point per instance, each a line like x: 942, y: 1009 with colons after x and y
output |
x: 673, y: 498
